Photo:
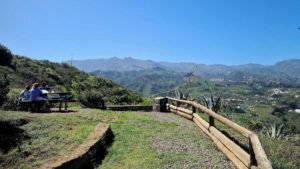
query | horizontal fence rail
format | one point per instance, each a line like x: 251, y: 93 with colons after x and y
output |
x: 255, y: 158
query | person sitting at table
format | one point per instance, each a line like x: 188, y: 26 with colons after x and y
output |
x: 44, y: 86
x: 35, y: 94
x: 25, y: 94
x: 36, y: 97
x: 45, y: 90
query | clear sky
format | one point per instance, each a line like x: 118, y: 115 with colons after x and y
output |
x: 202, y: 31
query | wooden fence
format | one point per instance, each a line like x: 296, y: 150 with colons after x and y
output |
x: 128, y: 108
x: 255, y: 158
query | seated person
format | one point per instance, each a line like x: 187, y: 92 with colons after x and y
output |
x: 45, y: 90
x: 25, y: 94
x: 36, y: 93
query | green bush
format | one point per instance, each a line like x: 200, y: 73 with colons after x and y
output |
x: 251, y: 122
x: 5, y: 56
x: 12, y: 100
x: 4, y: 88
x: 92, y: 99
x: 147, y: 102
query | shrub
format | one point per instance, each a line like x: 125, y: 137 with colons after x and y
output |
x: 147, y: 102
x: 12, y: 100
x: 4, y: 88
x: 92, y: 99
x: 5, y: 56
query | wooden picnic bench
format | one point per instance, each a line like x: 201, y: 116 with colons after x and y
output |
x: 33, y: 106
x: 61, y: 101
x: 61, y: 98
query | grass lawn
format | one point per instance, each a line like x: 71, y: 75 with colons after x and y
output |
x: 142, y: 140
x: 160, y: 140
x: 44, y: 136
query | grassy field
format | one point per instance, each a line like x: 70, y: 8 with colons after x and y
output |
x: 155, y: 140
x: 142, y: 140
x: 43, y: 137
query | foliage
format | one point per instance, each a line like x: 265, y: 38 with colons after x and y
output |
x: 276, y: 131
x: 147, y: 102
x: 5, y: 56
x: 12, y: 99
x: 63, y: 77
x: 212, y: 104
x: 91, y: 99
x: 4, y: 88
x: 146, y: 82
x: 282, y: 153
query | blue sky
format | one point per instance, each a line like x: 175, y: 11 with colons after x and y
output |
x: 203, y: 31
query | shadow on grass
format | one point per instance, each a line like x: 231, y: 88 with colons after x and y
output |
x: 11, y: 134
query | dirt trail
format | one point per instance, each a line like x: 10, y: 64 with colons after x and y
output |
x: 211, y: 157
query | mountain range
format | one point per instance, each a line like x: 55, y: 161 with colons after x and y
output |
x: 288, y: 68
x: 149, y: 77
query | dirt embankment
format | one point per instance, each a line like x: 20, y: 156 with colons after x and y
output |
x: 87, y: 155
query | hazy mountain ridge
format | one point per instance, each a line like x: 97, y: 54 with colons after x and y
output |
x: 114, y: 64
x: 290, y: 68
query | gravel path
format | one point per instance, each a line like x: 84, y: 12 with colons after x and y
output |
x: 203, y: 152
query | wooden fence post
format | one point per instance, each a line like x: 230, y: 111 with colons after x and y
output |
x: 211, y: 121
x: 252, y: 155
x: 177, y: 104
x: 194, y: 109
x: 160, y: 104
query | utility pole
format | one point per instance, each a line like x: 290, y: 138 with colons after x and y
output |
x: 71, y: 60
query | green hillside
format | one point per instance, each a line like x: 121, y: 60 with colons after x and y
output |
x: 146, y: 82
x: 22, y: 71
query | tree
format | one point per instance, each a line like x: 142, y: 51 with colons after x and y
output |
x: 5, y: 56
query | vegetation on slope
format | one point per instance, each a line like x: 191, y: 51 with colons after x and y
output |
x: 22, y: 71
x: 146, y: 82
x: 272, y: 112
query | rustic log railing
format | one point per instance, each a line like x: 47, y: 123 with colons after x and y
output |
x: 256, y: 158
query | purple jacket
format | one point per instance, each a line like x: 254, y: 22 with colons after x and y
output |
x: 35, y: 94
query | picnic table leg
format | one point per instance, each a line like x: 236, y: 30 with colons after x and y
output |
x: 32, y: 107
x: 59, y: 106
x: 66, y: 105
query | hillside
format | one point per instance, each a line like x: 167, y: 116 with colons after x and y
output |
x: 146, y: 82
x: 22, y: 71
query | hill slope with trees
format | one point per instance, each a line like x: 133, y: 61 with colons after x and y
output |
x: 19, y: 71
x: 146, y: 82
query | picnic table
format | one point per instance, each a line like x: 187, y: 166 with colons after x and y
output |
x: 61, y: 98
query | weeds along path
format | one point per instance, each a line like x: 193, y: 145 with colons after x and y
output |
x: 160, y: 140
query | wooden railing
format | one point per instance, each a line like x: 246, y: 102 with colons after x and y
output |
x: 255, y: 158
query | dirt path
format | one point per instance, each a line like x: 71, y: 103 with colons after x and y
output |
x: 211, y: 157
